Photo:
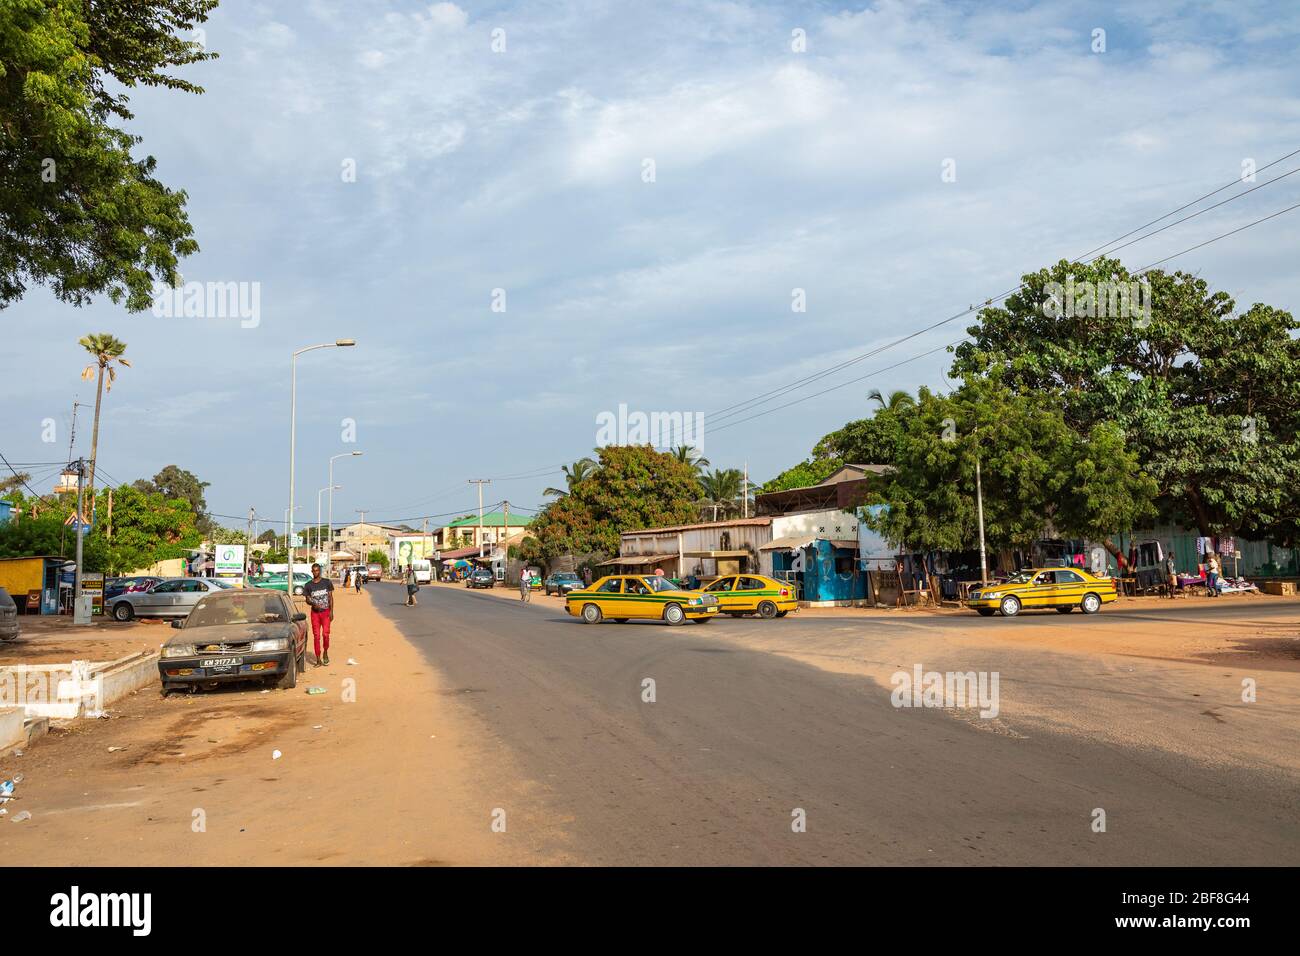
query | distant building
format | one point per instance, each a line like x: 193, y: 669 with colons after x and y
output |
x: 495, y: 531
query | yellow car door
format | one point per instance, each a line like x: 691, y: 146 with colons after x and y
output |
x: 609, y: 597
x: 724, y: 589
x: 1069, y: 588
x: 637, y: 600
x: 1043, y: 591
x: 749, y: 591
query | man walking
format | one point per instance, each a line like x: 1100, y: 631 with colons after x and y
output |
x: 524, y: 580
x: 1212, y: 574
x: 319, y: 593
x: 411, y: 586
x: 1171, y: 572
x: 357, y: 578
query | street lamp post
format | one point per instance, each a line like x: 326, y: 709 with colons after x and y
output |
x: 331, y: 489
x: 346, y: 454
x: 293, y: 427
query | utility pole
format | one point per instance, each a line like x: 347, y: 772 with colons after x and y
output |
x: 979, y: 508
x: 505, y: 531
x: 480, y: 482
x: 72, y: 439
x: 363, y: 557
x: 744, y: 497
x: 78, y: 616
x: 109, y: 531
x: 248, y: 551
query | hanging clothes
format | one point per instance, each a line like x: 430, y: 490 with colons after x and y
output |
x: 1227, y: 546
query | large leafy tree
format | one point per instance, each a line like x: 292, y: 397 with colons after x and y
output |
x: 810, y: 471
x: 1037, y: 474
x: 176, y: 482
x: 573, y: 474
x: 722, y: 489
x: 634, y: 487
x: 1207, y: 397
x: 78, y: 211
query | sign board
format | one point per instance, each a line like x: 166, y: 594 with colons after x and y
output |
x: 92, y: 583
x: 228, y: 560
x: 297, y: 541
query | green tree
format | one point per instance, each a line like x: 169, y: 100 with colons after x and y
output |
x: 1038, y: 475
x: 147, y: 527
x: 573, y: 474
x: 378, y: 557
x: 176, y: 482
x: 107, y: 352
x: 722, y: 488
x: 1208, y: 398
x: 78, y: 212
x: 896, y: 401
x: 217, y: 534
x: 633, y: 487
x: 689, y: 455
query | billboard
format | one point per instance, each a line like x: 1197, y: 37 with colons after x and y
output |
x: 411, y: 547
x: 228, y: 560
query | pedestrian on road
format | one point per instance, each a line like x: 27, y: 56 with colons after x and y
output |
x: 586, y: 577
x: 524, y: 580
x: 1212, y: 574
x: 347, y: 577
x: 319, y: 593
x: 411, y: 586
x: 357, y: 578
x: 1171, y: 572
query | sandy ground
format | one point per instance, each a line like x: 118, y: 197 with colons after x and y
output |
x: 391, y: 779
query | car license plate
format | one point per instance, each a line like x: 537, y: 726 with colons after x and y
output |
x: 222, y: 662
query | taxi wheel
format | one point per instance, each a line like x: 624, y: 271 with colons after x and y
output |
x: 1090, y: 604
x: 674, y: 614
x: 1010, y: 606
x: 985, y: 611
x: 782, y: 613
x: 1065, y: 610
x: 766, y: 610
x: 123, y: 611
x: 703, y: 620
x: 591, y: 614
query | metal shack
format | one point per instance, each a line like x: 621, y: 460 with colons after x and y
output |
x: 706, y: 550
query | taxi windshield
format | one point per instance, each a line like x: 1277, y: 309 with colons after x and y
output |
x: 657, y: 583
x: 1022, y: 578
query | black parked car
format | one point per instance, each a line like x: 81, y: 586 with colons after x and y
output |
x: 480, y: 578
x: 236, y: 634
x: 561, y: 583
x: 8, y: 617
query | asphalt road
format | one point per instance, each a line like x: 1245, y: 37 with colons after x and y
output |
x: 737, y: 741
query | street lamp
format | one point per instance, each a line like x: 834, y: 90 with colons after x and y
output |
x: 346, y: 454
x: 293, y: 426
x: 331, y: 489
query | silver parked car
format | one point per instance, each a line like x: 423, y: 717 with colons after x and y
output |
x: 8, y: 617
x: 173, y: 597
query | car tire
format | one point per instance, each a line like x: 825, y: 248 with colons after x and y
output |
x: 302, y: 658
x: 1090, y: 604
x: 591, y: 614
x: 122, y: 611
x: 985, y: 611
x: 766, y: 610
x: 782, y: 613
x: 1065, y: 610
x: 674, y: 614
x: 289, y: 680
x: 1010, y: 606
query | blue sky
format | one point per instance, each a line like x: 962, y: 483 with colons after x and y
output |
x: 523, y: 169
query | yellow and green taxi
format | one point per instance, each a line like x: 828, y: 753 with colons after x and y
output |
x: 739, y: 594
x: 1061, y: 588
x: 625, y: 597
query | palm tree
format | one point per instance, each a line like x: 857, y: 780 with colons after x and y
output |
x: 720, y: 488
x: 580, y: 469
x: 897, y: 400
x: 106, y: 350
x: 688, y: 456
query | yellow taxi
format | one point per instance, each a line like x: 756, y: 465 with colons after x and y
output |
x: 739, y: 594
x: 626, y: 597
x: 1061, y: 588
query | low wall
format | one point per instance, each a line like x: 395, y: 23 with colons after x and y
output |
x: 74, y: 689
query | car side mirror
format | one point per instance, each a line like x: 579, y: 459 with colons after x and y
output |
x: 300, y: 616
x: 178, y: 624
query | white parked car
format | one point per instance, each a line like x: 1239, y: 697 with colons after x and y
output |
x: 172, y: 597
